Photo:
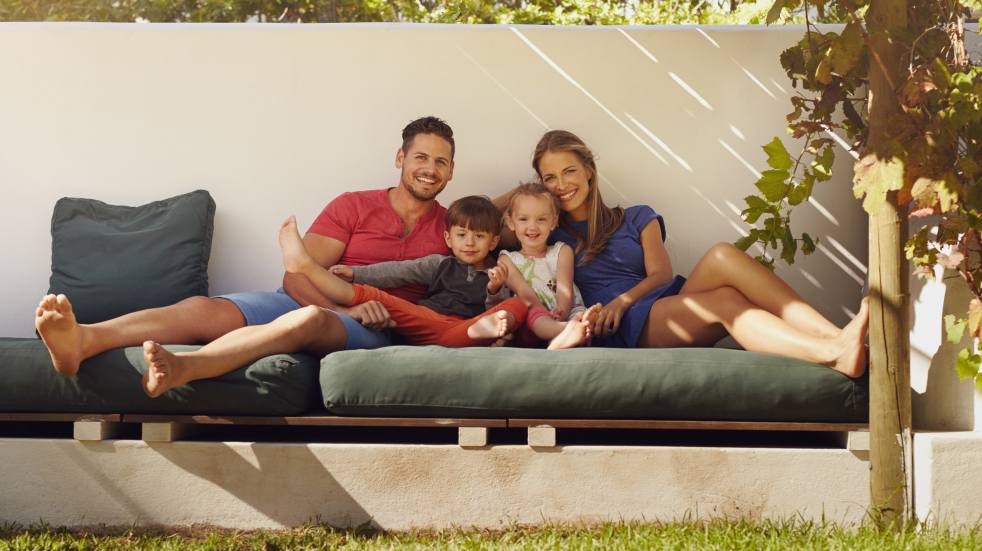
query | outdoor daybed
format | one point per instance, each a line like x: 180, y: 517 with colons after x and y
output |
x: 113, y: 259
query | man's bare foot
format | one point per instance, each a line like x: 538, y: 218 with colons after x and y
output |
x: 577, y: 331
x: 492, y: 326
x: 165, y: 370
x: 61, y: 333
x: 852, y: 340
x: 296, y: 259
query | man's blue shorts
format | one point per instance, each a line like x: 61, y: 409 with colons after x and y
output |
x: 262, y: 307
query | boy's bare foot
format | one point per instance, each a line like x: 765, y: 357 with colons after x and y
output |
x: 295, y: 255
x: 492, y: 326
x: 852, y: 360
x: 165, y: 370
x: 61, y: 333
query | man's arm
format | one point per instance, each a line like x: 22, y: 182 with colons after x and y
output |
x: 326, y: 251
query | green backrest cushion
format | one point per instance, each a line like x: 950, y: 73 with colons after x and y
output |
x: 111, y: 260
x: 588, y: 383
x: 111, y: 383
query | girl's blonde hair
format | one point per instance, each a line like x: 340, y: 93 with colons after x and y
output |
x: 531, y: 189
x: 602, y: 221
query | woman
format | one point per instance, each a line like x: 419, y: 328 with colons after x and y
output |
x: 622, y: 264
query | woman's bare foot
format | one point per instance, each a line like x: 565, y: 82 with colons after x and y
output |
x: 576, y: 332
x: 492, y: 326
x: 296, y: 259
x: 61, y: 333
x: 165, y: 370
x: 852, y: 340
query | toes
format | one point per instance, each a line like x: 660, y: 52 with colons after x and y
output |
x: 63, y: 305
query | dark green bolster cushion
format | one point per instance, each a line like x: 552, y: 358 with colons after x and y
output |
x: 111, y: 383
x: 588, y: 383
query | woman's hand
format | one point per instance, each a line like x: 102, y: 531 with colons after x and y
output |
x: 497, y: 277
x: 609, y: 319
x: 343, y: 272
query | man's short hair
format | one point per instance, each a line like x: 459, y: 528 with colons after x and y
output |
x: 474, y: 212
x: 427, y: 125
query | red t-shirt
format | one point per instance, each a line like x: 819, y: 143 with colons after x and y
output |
x: 372, y: 230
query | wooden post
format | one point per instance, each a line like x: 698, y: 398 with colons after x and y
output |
x: 890, y: 409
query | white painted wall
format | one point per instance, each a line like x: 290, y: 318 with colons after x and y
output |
x: 275, y: 120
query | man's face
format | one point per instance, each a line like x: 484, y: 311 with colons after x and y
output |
x: 426, y: 166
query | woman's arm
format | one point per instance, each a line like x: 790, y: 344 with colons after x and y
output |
x: 564, y: 282
x: 658, y: 270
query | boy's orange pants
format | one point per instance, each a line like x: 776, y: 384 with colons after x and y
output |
x: 420, y: 325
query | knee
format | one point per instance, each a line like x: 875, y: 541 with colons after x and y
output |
x: 314, y: 319
x: 723, y: 252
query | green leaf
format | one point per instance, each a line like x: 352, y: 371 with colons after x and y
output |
x: 788, y: 246
x: 775, y: 12
x: 777, y: 156
x: 876, y: 177
x: 822, y: 165
x: 847, y: 49
x: 954, y: 328
x: 807, y: 244
x: 967, y: 364
x: 747, y: 241
x: 772, y: 184
x: 802, y: 191
x: 978, y: 383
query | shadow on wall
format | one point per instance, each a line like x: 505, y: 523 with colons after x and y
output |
x: 286, y: 483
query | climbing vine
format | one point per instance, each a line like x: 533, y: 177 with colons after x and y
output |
x: 933, y: 159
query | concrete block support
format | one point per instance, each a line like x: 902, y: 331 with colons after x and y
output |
x: 948, y: 477
x: 472, y: 437
x: 95, y: 430
x: 270, y: 485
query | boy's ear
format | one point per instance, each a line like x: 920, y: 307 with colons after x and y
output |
x: 446, y: 237
x: 494, y: 242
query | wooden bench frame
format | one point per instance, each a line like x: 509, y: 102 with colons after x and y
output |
x: 471, y: 432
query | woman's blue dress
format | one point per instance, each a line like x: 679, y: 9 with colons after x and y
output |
x: 618, y: 268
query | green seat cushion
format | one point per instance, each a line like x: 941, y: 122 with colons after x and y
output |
x: 588, y: 383
x: 111, y: 260
x: 111, y: 383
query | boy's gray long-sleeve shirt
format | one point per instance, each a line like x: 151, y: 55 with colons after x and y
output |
x: 454, y: 288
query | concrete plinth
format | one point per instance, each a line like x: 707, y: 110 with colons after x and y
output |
x: 253, y: 485
x: 948, y: 477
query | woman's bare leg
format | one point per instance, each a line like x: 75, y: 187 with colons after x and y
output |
x: 700, y: 319
x: 727, y: 266
x: 309, y: 329
x: 193, y: 320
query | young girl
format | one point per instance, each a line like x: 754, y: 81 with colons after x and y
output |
x: 542, y: 274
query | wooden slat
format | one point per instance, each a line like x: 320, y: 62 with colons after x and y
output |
x: 60, y: 417
x: 688, y: 425
x: 317, y: 421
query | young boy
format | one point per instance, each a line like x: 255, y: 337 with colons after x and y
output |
x: 454, y: 312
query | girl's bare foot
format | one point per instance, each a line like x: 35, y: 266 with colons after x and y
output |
x: 577, y: 331
x: 492, y: 326
x: 165, y: 370
x: 852, y: 340
x: 295, y: 256
x: 61, y: 333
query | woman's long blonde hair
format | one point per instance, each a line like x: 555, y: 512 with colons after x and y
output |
x: 602, y: 221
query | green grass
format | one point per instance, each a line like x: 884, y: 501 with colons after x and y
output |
x: 678, y: 535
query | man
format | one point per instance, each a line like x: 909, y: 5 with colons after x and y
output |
x: 400, y: 223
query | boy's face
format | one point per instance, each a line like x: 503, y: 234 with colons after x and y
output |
x: 470, y: 246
